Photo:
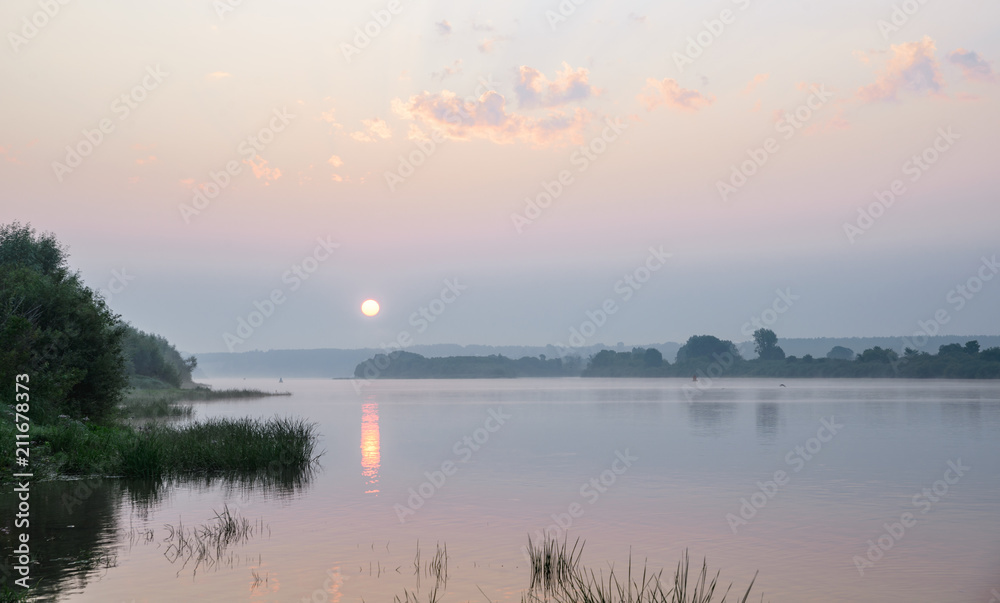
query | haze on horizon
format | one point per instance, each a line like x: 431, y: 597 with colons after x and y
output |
x: 229, y: 149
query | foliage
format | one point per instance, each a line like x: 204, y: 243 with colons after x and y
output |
x: 407, y: 365
x: 56, y: 330
x: 150, y: 355
x: 839, y: 352
x: 766, y: 345
x: 705, y: 347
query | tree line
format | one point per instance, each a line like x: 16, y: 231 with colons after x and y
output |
x: 80, y: 356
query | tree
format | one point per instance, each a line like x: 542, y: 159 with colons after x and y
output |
x: 652, y: 357
x: 840, y: 353
x: 877, y: 354
x: 55, y: 329
x: 706, y: 347
x: 766, y: 345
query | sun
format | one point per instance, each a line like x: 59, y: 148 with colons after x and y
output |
x: 369, y: 307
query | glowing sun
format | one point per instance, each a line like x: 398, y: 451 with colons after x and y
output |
x: 369, y: 307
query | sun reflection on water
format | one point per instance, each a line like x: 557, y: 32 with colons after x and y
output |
x: 370, y: 457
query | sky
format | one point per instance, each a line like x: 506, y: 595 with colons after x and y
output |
x: 240, y: 174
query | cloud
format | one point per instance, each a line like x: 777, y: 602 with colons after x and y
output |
x: 261, y: 171
x: 146, y: 160
x: 330, y: 118
x: 455, y: 69
x: 757, y: 80
x: 533, y: 89
x: 335, y: 161
x: 488, y: 44
x: 218, y: 75
x: 9, y: 155
x: 637, y: 18
x: 487, y: 118
x: 374, y: 129
x: 443, y: 27
x: 668, y: 92
x: 973, y: 66
x: 911, y: 68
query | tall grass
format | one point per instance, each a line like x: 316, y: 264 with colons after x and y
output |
x: 277, y: 450
x: 557, y: 577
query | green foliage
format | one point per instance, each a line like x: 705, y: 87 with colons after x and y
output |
x: 705, y: 347
x: 407, y: 365
x: 56, y: 330
x: 150, y: 355
x: 839, y: 352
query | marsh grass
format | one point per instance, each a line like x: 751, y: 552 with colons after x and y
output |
x: 209, y: 545
x: 557, y: 577
x: 272, y: 451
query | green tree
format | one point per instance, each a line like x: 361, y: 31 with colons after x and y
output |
x: 702, y: 347
x: 839, y: 352
x: 55, y: 329
x: 766, y: 345
x: 652, y: 357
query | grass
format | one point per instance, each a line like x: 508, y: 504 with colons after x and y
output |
x: 13, y: 596
x: 557, y: 577
x: 134, y: 443
x: 207, y: 545
x: 276, y: 450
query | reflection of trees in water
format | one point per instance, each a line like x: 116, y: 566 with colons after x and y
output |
x: 78, y: 528
x: 966, y: 413
x: 711, y: 418
x: 72, y: 538
x: 767, y: 421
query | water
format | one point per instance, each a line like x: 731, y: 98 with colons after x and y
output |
x: 629, y: 466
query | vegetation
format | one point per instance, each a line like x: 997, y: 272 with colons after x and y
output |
x: 558, y: 577
x: 714, y: 358
x: 82, y: 361
x: 407, y: 365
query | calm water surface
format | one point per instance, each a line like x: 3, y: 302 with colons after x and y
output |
x: 629, y: 466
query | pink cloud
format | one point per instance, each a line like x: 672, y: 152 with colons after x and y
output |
x: 757, y: 80
x: 374, y: 129
x: 911, y: 68
x: 533, y: 89
x: 488, y: 119
x: 973, y: 66
x: 261, y: 171
x: 668, y: 92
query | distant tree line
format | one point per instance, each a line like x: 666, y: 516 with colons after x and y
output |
x: 706, y: 355
x: 407, y: 365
